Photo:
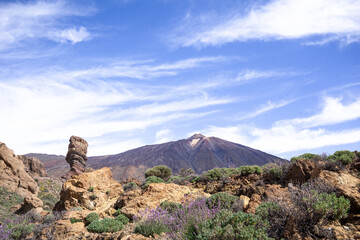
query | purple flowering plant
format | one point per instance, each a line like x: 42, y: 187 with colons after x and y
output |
x: 175, y: 224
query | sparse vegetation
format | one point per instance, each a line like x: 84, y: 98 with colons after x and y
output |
x: 310, y: 156
x: 129, y: 186
x: 123, y: 219
x: 74, y: 220
x: 345, y: 157
x: 223, y: 200
x: 7, y: 201
x: 105, y: 225
x: 152, y: 179
x: 91, y: 189
x: 91, y: 217
x: 160, y: 171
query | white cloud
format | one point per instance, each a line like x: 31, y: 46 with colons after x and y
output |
x: 20, y: 22
x: 297, y: 134
x: 281, y: 19
x: 265, y: 108
x: 164, y: 135
x: 57, y: 104
x: 72, y: 35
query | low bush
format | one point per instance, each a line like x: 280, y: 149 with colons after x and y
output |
x: 160, y: 171
x: 170, y: 207
x: 122, y: 218
x: 152, y: 179
x: 246, y: 170
x: 328, y: 205
x: 276, y: 172
x: 91, y: 189
x: 105, y: 225
x: 186, y: 172
x: 92, y: 217
x: 129, y: 186
x: 154, y: 221
x: 311, y: 203
x: 345, y: 157
x: 229, y: 225
x: 223, y: 201
x: 74, y: 220
x: 309, y: 156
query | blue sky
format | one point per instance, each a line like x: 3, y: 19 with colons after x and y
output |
x: 281, y: 76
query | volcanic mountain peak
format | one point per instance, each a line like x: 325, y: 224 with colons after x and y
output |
x: 194, y: 139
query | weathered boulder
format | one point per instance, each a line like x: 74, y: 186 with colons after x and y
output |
x: 32, y: 202
x: 95, y: 190
x: 346, y: 184
x: 301, y: 171
x: 76, y: 156
x: 132, y: 202
x: 13, y: 175
x: 33, y: 166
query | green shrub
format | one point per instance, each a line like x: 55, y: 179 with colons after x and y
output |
x: 330, y: 206
x: 160, y: 171
x: 214, y: 174
x: 105, y: 225
x: 173, y: 178
x: 309, y: 156
x: 107, y: 192
x: 223, y: 200
x: 265, y: 208
x: 74, y: 220
x: 122, y: 218
x: 276, y: 172
x: 129, y: 186
x: 186, y: 172
x: 246, y: 170
x: 152, y: 179
x: 91, y: 189
x: 117, y: 213
x: 228, y: 225
x: 20, y: 231
x: 345, y: 157
x: 170, y: 207
x: 92, y: 217
x: 149, y: 228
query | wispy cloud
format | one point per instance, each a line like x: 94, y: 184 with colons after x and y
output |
x: 64, y: 103
x: 265, y: 108
x: 39, y: 19
x: 298, y: 134
x: 279, y: 19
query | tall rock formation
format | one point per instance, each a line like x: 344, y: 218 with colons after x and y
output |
x: 14, y: 177
x: 76, y: 156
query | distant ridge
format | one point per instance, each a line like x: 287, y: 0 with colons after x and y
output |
x: 198, y: 152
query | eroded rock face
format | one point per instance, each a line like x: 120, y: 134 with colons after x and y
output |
x: 76, y: 156
x: 14, y: 177
x: 95, y: 190
x: 301, y: 171
x: 132, y: 202
x: 33, y: 166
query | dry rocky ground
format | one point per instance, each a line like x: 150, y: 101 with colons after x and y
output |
x: 279, y: 198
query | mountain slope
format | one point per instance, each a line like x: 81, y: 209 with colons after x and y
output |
x: 197, y: 152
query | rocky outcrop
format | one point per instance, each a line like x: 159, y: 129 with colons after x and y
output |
x: 14, y: 177
x: 95, y: 190
x: 346, y: 184
x: 33, y: 166
x: 76, y: 156
x: 301, y: 171
x: 132, y: 202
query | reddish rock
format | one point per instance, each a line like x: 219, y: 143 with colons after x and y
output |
x: 76, y: 156
x: 301, y: 171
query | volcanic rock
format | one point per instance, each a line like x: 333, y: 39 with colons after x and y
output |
x: 95, y: 190
x: 135, y: 201
x: 33, y: 166
x: 76, y: 156
x: 301, y: 171
x: 346, y: 184
x: 13, y: 175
